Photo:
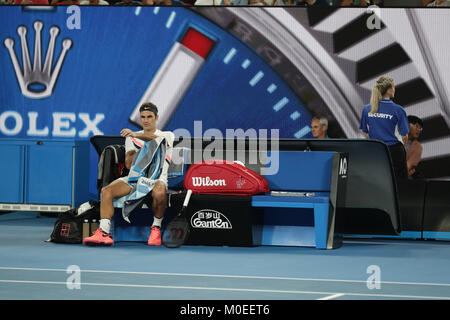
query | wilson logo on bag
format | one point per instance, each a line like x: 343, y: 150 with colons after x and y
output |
x: 207, y: 182
x: 224, y: 177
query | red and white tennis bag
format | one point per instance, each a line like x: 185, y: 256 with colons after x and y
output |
x: 224, y: 177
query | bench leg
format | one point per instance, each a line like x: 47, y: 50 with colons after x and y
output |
x: 321, y: 224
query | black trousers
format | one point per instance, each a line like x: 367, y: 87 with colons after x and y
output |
x: 398, y: 155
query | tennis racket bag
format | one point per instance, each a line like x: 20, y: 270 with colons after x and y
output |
x: 111, y: 165
x: 68, y: 225
x: 224, y: 177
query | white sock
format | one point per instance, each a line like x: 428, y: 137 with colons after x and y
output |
x: 157, y: 222
x: 105, y: 225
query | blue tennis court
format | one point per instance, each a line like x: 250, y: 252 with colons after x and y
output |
x: 361, y: 269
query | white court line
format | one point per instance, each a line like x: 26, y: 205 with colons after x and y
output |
x: 333, y: 296
x: 222, y: 289
x: 394, y: 241
x: 227, y: 276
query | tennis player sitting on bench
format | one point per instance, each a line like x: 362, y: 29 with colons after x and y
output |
x: 121, y: 187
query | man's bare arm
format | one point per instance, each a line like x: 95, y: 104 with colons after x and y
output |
x: 405, y: 140
x: 414, y: 155
x: 145, y: 136
x: 129, y: 158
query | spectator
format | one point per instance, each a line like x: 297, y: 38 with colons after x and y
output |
x: 209, y: 3
x: 156, y: 2
x: 94, y: 2
x: 64, y: 2
x: 319, y: 127
x: 350, y: 3
x: 439, y: 3
x: 283, y: 3
x: 128, y: 3
x: 414, y: 148
x: 361, y: 3
x: 28, y: 2
x: 313, y: 3
x: 258, y: 2
x: 228, y: 2
x: 403, y: 3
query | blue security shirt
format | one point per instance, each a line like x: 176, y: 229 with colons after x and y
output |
x: 382, y: 124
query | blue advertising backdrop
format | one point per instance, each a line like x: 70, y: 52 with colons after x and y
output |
x: 114, y: 56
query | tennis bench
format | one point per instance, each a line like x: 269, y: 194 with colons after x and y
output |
x: 300, y: 210
x: 305, y: 194
x: 355, y: 213
x: 289, y: 219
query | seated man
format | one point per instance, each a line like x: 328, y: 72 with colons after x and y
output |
x: 414, y: 148
x: 139, y: 144
x: 319, y: 127
x: 439, y: 3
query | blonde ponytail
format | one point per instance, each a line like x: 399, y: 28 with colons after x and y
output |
x: 380, y: 88
x: 375, y: 99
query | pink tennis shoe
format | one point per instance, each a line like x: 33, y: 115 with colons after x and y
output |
x: 155, y: 237
x: 99, y: 238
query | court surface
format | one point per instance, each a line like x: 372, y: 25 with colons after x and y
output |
x: 361, y: 269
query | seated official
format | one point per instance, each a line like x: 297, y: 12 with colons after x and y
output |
x: 319, y: 127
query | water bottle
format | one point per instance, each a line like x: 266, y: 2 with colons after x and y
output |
x: 85, y: 228
x: 93, y: 226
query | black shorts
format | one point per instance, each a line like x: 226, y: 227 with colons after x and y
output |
x: 398, y: 155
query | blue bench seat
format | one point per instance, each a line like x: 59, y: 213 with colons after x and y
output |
x: 290, y: 201
x: 300, y: 172
x: 295, y: 235
x: 286, y: 220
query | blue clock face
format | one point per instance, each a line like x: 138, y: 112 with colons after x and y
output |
x: 114, y: 56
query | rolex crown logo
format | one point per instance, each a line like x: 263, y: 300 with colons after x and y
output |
x: 37, y: 82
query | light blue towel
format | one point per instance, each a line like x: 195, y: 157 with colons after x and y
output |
x: 145, y: 171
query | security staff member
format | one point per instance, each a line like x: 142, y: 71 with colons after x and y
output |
x: 384, y: 120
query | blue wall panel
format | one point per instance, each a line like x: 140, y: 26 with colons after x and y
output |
x: 12, y: 174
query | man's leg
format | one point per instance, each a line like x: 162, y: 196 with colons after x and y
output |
x: 102, y: 236
x: 159, y: 196
x: 115, y: 189
x: 159, y: 205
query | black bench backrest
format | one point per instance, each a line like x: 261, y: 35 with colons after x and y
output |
x: 100, y: 142
x: 371, y: 184
x: 371, y: 203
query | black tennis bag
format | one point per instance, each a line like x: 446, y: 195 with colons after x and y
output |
x: 68, y: 226
x: 111, y: 165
